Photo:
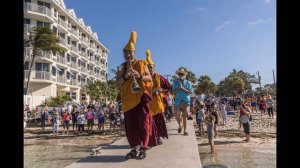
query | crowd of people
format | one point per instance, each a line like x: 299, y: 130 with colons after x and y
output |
x: 86, y: 115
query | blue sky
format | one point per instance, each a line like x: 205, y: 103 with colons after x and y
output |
x: 208, y: 37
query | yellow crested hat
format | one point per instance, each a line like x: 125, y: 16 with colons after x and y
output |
x: 130, y: 45
x: 148, y: 58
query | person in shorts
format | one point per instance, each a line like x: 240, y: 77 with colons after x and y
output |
x: 90, y: 119
x: 182, y: 88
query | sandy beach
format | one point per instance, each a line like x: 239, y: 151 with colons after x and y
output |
x: 231, y: 151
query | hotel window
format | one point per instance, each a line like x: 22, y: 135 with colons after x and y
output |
x: 73, y: 59
x: 44, y: 4
x: 74, y: 43
x: 62, y: 72
x: 42, y: 67
x: 26, y: 21
x: 53, y: 71
x: 55, y: 30
x: 68, y: 75
x: 68, y: 57
x: 78, y: 78
x: 55, y: 13
x: 42, y: 24
x: 69, y: 40
x: 26, y: 66
x: 62, y: 54
x: 73, y: 77
x: 63, y: 35
x: 68, y: 94
x: 73, y: 95
x: 62, y: 17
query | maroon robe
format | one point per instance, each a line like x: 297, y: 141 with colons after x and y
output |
x: 138, y: 123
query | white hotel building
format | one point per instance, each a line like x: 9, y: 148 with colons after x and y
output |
x: 66, y: 73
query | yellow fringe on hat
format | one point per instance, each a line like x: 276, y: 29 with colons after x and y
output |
x: 149, y: 59
x: 132, y: 40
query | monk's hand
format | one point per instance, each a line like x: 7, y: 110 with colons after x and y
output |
x: 155, y: 91
x: 136, y: 74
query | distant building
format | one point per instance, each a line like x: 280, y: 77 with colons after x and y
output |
x: 65, y: 73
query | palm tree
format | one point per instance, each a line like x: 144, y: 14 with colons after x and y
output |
x: 115, y: 71
x: 92, y: 90
x: 44, y: 39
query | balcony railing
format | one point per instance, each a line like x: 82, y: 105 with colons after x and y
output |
x: 38, y: 8
x: 75, y: 32
x: 75, y: 49
x: 61, y: 79
x: 38, y: 75
x: 92, y: 58
x: 63, y: 41
x: 27, y: 28
x: 27, y: 52
x: 73, y: 82
x: 62, y: 23
x: 45, y: 54
x: 84, y: 54
x: 61, y: 60
x: 83, y: 69
x: 86, y: 41
x: 74, y: 65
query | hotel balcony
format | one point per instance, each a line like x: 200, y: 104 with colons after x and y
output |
x: 63, y: 42
x: 27, y: 28
x: 84, y: 54
x: 46, y: 55
x: 62, y: 25
x: 62, y: 80
x: 38, y: 12
x: 74, y: 65
x: 61, y: 60
x: 84, y: 42
x: 72, y: 82
x: 83, y: 69
x: 38, y: 75
x: 75, y: 34
x: 75, y: 50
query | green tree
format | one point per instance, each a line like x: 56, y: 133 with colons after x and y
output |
x: 205, y: 85
x: 59, y: 100
x: 44, y: 39
x: 237, y: 82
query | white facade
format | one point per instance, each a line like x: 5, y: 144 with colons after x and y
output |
x: 65, y: 73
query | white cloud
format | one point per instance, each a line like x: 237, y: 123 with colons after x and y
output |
x: 196, y: 9
x: 256, y: 22
x: 267, y: 1
x: 219, y: 28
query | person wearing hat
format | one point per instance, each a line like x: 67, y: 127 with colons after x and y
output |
x: 135, y: 104
x: 157, y: 107
x: 182, y: 88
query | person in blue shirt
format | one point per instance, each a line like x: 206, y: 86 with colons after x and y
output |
x: 182, y: 88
